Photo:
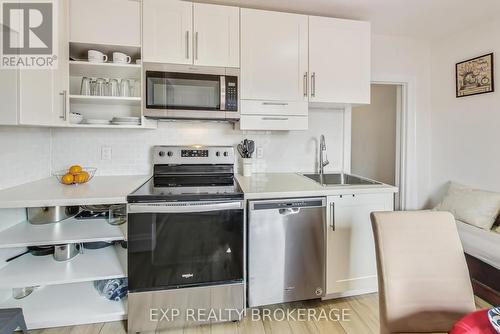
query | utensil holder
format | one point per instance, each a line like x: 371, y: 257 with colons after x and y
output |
x: 247, y: 166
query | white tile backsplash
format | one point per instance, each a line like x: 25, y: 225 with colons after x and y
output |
x: 284, y: 151
x: 24, y: 155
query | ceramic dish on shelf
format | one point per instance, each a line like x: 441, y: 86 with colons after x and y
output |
x: 125, y: 123
x: 75, y: 118
x: 88, y: 175
x: 97, y: 121
x: 126, y: 119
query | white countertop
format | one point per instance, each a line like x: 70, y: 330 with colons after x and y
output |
x: 49, y: 192
x: 280, y: 185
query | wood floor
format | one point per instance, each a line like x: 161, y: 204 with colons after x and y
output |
x: 361, y: 318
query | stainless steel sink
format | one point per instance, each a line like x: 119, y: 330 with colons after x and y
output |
x: 339, y: 179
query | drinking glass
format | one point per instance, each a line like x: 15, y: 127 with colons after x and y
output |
x: 114, y: 88
x: 93, y: 87
x: 100, y: 87
x: 85, y: 88
x: 124, y: 88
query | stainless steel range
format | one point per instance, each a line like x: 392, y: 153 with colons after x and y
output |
x: 186, y: 234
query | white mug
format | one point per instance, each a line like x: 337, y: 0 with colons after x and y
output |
x: 121, y: 58
x: 97, y: 57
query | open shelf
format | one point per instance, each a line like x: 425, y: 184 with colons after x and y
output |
x: 116, y: 100
x: 67, y: 304
x: 107, y: 70
x: 112, y: 126
x: 78, y: 50
x: 67, y: 231
x: 92, y: 265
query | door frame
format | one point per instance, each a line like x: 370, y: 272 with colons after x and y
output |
x: 403, y: 141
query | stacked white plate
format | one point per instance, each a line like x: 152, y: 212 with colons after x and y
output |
x: 126, y: 121
x: 96, y: 121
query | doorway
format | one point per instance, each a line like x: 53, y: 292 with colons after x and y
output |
x: 376, y: 136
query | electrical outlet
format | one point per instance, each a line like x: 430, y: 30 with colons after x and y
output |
x: 260, y: 152
x: 106, y: 153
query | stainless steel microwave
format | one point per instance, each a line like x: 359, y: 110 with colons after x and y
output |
x: 191, y: 92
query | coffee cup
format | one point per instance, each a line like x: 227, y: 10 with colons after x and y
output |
x: 95, y: 56
x: 121, y: 58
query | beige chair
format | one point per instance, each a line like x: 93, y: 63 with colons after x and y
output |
x: 423, y: 279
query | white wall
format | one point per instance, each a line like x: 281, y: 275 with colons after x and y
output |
x: 373, y: 135
x: 284, y: 151
x: 406, y: 60
x: 24, y: 155
x: 465, y: 131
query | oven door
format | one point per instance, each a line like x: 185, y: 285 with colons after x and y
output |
x: 184, y: 244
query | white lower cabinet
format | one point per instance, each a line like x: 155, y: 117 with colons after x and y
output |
x: 350, y: 256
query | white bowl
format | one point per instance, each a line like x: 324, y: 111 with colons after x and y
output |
x: 75, y: 118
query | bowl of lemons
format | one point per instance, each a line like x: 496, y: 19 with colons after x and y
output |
x: 75, y: 175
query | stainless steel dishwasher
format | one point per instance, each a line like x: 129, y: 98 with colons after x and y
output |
x: 286, y: 250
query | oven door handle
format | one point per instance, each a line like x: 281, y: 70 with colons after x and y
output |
x: 184, y: 207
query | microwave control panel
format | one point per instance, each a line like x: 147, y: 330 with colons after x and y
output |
x: 231, y: 93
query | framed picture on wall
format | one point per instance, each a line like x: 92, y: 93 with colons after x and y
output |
x: 475, y: 76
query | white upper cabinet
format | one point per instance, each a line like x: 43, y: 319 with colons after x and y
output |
x: 167, y: 31
x: 180, y: 32
x: 339, y: 60
x: 216, y: 35
x: 111, y: 22
x: 273, y: 56
x: 42, y: 96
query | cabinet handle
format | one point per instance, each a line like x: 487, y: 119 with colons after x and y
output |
x: 313, y: 84
x: 332, y: 214
x: 64, y: 95
x: 274, y: 103
x: 187, y: 44
x: 196, y: 45
x: 275, y: 118
x: 305, y: 85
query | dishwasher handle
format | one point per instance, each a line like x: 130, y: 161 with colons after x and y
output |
x: 286, y: 204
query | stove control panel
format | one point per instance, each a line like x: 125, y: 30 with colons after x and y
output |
x: 193, y: 155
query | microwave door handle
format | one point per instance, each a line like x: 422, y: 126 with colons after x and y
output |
x: 184, y: 207
x: 222, y: 92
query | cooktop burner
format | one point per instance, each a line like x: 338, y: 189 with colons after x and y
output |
x: 191, y: 173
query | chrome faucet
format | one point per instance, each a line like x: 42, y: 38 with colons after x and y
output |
x: 323, y: 159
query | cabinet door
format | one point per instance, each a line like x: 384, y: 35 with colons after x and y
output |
x: 216, y: 35
x: 350, y: 262
x: 9, y: 87
x: 273, y: 56
x: 339, y: 60
x: 112, y: 22
x: 167, y: 31
x: 42, y: 97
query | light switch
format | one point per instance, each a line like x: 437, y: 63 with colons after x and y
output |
x: 260, y: 152
x: 106, y: 153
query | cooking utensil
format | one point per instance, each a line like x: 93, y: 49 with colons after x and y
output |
x: 250, y: 148
x: 20, y: 293
x: 241, y: 150
x: 50, y: 214
x: 35, y: 251
x: 246, y: 148
x: 97, y: 244
x: 66, y: 252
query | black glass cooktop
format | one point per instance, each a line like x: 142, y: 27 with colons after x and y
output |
x: 187, y: 188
